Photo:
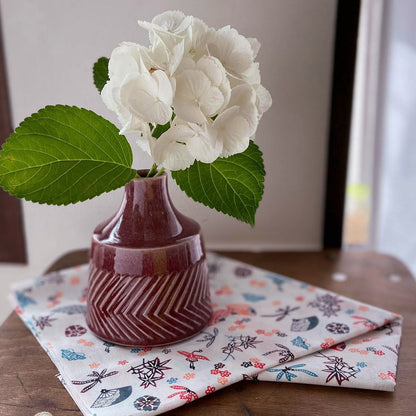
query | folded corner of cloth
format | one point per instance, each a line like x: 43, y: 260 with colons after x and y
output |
x: 265, y: 326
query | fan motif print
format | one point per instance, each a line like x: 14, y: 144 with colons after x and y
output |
x: 264, y: 327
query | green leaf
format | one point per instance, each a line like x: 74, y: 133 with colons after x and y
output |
x: 62, y: 155
x: 232, y: 185
x: 160, y: 129
x: 100, y: 72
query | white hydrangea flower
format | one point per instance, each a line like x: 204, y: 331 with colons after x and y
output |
x: 137, y: 93
x: 202, y: 141
x: 170, y: 149
x: 244, y: 96
x: 202, y: 89
x: 199, y: 35
x: 184, y: 143
x: 233, y: 131
x: 170, y: 24
x: 170, y: 36
x: 148, y: 96
x: 208, y: 78
x: 232, y: 49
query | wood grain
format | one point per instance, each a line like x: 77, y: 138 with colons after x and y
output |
x: 28, y: 382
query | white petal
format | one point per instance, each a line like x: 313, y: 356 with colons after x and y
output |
x: 233, y: 130
x: 203, y: 145
x: 190, y: 86
x: 252, y: 75
x: 264, y: 99
x: 213, y: 69
x: 126, y: 59
x: 199, y: 38
x: 140, y: 95
x: 188, y: 111
x: 232, y: 49
x: 255, y: 46
x: 211, y: 102
x: 186, y: 63
x: 244, y: 96
x: 176, y: 57
x: 173, y: 21
x: 164, y: 90
x: 170, y: 149
x: 107, y: 96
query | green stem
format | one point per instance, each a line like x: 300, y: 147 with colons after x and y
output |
x: 152, y: 170
x: 160, y: 172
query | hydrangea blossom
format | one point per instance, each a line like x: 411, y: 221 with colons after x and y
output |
x: 202, y: 83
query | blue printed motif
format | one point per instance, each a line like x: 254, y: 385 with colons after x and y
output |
x: 147, y: 403
x: 172, y: 380
x: 24, y: 300
x: 250, y: 297
x: 70, y: 355
x: 72, y: 309
x: 110, y: 397
x: 289, y: 372
x: 277, y: 280
x: 361, y: 364
x: 300, y: 342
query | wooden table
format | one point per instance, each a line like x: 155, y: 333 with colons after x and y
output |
x: 27, y: 377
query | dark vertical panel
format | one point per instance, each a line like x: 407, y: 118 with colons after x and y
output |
x: 12, y: 242
x: 348, y: 12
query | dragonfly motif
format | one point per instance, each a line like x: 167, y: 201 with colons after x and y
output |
x: 193, y: 358
x: 96, y: 378
x: 281, y: 313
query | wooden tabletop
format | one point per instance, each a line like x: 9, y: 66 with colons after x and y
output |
x: 28, y: 382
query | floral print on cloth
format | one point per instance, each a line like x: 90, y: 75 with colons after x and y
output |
x: 264, y: 327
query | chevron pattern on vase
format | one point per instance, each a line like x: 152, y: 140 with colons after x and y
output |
x: 148, y: 310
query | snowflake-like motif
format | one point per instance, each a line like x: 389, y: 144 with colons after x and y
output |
x: 338, y: 369
x: 328, y: 304
x: 43, y: 321
x: 150, y: 371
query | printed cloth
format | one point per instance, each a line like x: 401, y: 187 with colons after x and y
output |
x: 264, y: 327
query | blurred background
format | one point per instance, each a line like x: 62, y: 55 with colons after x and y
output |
x: 49, y: 49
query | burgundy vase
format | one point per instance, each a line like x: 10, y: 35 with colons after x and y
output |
x: 148, y: 281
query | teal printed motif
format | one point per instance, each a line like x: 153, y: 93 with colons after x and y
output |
x: 289, y: 372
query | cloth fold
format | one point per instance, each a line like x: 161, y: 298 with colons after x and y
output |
x: 264, y: 327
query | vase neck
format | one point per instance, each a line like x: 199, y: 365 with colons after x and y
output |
x: 146, y: 216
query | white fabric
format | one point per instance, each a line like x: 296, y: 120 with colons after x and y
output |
x: 264, y: 326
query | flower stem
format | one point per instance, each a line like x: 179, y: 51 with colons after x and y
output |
x: 160, y: 172
x: 152, y: 170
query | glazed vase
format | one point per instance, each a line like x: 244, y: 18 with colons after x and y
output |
x: 148, y: 278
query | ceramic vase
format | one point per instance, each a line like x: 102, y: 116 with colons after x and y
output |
x: 148, y: 278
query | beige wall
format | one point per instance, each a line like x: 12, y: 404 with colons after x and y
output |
x: 51, y: 46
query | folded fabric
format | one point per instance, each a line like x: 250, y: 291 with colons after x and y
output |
x: 264, y: 327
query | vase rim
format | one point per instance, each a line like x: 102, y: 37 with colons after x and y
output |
x: 142, y: 174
